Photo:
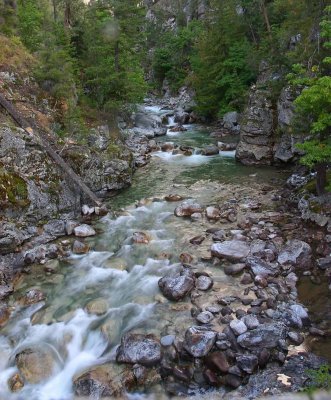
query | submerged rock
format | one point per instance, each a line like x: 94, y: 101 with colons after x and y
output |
x: 177, y: 286
x: 140, y: 238
x: 137, y: 348
x: 104, y: 380
x: 36, y: 363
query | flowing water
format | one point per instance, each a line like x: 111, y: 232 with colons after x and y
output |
x: 120, y: 275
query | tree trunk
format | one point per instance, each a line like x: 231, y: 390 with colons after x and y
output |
x: 265, y: 16
x: 320, y: 178
x: 54, y: 10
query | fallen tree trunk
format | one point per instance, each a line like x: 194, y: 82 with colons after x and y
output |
x: 33, y: 131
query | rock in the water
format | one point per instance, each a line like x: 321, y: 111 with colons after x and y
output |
x: 104, y: 380
x: 295, y: 252
x: 231, y: 250
x: 248, y: 363
x: 205, y: 317
x: 197, y: 240
x: 36, y: 364
x: 32, y: 296
x: 186, y: 258
x: 167, y: 340
x: 4, y: 314
x: 84, y: 231
x: 15, y: 383
x: 187, y: 209
x: 80, y: 247
x: 204, y: 283
x: 97, y: 306
x: 260, y: 267
x: 296, y: 338
x: 210, y: 150
x: 213, y: 213
x: 238, y: 327
x: 173, y: 197
x: 140, y: 238
x: 234, y: 269
x: 176, y: 287
x: 199, y: 341
x: 141, y: 349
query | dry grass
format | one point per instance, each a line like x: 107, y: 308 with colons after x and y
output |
x: 14, y: 56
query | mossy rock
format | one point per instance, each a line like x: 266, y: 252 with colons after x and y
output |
x: 13, y: 189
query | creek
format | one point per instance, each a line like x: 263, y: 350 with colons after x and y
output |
x: 118, y: 279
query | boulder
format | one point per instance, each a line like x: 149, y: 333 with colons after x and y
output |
x: 264, y: 336
x: 79, y: 247
x: 177, y: 286
x: 104, y: 380
x: 259, y: 267
x: 213, y: 213
x: 295, y: 252
x: 84, y: 231
x: 36, y: 364
x: 138, y: 348
x: 199, y: 341
x: 186, y: 209
x: 210, y: 150
x: 233, y: 250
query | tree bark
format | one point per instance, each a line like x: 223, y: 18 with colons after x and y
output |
x: 321, y: 178
x: 265, y: 16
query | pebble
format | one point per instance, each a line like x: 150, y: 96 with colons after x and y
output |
x: 238, y: 327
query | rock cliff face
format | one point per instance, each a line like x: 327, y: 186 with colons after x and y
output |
x: 258, y: 124
x: 266, y: 135
x: 173, y: 11
x: 36, y: 197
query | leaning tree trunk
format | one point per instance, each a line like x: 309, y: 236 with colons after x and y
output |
x: 321, y: 178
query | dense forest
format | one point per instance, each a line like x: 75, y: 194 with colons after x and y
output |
x: 107, y: 55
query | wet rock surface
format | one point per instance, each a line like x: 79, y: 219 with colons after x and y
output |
x: 141, y: 349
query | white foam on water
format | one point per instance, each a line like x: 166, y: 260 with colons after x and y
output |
x: 154, y: 109
x: 230, y: 154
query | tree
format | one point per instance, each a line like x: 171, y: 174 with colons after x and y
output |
x: 110, y: 58
x: 314, y: 103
